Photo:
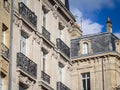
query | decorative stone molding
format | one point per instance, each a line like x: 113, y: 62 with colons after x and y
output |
x: 37, y: 39
x: 61, y: 26
x: 17, y: 21
x: 25, y: 81
x: 45, y: 8
x: 45, y: 48
x: 89, y: 45
x: 55, y: 11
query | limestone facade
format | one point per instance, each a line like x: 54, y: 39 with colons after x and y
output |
x: 4, y: 41
x: 41, y: 45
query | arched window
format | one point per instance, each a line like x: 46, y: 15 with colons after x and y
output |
x: 85, y: 48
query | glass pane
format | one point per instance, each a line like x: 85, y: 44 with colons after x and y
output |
x: 88, y: 84
x: 84, y: 84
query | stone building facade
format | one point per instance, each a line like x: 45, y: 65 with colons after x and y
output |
x: 49, y: 52
x: 96, y: 61
x: 40, y: 55
x: 4, y: 43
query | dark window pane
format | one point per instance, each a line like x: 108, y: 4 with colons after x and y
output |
x: 88, y: 84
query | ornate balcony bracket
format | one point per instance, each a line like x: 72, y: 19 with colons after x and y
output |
x: 25, y: 81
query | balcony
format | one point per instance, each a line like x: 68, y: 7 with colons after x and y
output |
x: 27, y: 14
x: 5, y: 51
x: 26, y: 64
x: 45, y: 33
x: 61, y: 86
x: 45, y: 77
x: 63, y: 47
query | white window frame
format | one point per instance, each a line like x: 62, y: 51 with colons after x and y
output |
x: 85, y: 48
x: 86, y: 80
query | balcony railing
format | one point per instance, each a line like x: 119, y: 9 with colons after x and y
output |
x: 26, y: 64
x: 45, y: 77
x: 28, y: 14
x: 5, y: 51
x: 45, y: 33
x: 63, y: 47
x: 61, y: 86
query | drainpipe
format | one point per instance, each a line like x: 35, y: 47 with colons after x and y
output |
x: 11, y: 42
x: 103, y: 74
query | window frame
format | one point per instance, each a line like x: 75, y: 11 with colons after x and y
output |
x: 86, y: 77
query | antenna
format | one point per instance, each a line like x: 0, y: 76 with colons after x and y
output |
x: 81, y: 22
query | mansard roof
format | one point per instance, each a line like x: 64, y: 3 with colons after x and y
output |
x: 100, y: 43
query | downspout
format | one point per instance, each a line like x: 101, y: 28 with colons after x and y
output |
x: 11, y: 42
x: 103, y: 75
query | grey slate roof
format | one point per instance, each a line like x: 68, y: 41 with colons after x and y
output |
x: 100, y: 43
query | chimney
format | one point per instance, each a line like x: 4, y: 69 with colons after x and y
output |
x: 109, y: 25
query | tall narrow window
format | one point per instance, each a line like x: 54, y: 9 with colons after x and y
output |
x: 60, y: 68
x: 2, y: 81
x: 85, y: 48
x: 23, y: 43
x: 6, y: 5
x: 43, y: 61
x: 85, y: 81
x: 43, y: 18
x: 4, y: 29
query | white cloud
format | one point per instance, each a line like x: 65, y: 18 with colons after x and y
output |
x: 91, y: 5
x: 117, y: 34
x: 87, y: 25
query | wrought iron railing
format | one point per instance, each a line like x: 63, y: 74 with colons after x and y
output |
x: 61, y: 86
x: 45, y: 77
x: 6, y: 5
x: 27, y: 65
x: 5, y: 51
x: 63, y: 47
x: 45, y: 33
x: 28, y: 14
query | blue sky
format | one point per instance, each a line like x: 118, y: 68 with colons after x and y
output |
x: 92, y: 15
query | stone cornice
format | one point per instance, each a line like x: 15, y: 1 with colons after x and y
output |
x: 102, y: 55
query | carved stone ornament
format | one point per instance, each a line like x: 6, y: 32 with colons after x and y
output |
x: 61, y: 26
x: 37, y: 39
x: 45, y: 9
x: 17, y: 21
x: 25, y: 81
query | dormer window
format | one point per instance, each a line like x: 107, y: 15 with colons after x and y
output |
x: 85, y: 48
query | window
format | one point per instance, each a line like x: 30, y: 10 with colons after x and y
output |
x: 23, y: 40
x: 6, y: 5
x: 43, y: 61
x: 85, y: 81
x: 4, y: 29
x: 60, y: 28
x: 2, y: 81
x: 60, y: 67
x: 43, y: 18
x: 85, y: 48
